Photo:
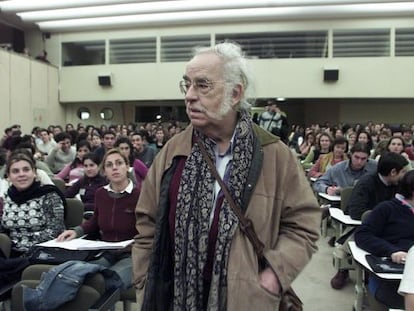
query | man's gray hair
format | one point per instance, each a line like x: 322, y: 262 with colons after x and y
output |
x: 236, y: 69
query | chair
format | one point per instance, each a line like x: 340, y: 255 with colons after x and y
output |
x: 74, y: 212
x: 127, y: 297
x: 5, y: 244
x: 341, y: 258
x: 59, y: 183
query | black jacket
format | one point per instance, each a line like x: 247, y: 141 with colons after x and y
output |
x: 367, y: 193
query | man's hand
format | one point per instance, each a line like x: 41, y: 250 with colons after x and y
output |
x: 399, y: 257
x: 269, y: 281
x: 332, y: 190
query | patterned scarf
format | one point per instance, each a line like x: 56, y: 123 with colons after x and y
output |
x: 194, y: 205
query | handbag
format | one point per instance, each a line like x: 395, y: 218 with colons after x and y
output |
x: 289, y: 300
x: 56, y: 255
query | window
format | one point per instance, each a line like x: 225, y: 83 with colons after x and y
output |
x: 404, y: 42
x: 179, y: 48
x: 83, y: 53
x: 361, y: 43
x: 292, y: 44
x: 106, y: 114
x: 83, y: 113
x: 127, y: 51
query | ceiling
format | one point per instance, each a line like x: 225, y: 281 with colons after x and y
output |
x: 81, y: 15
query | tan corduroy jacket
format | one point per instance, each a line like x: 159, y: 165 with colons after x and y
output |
x: 283, y: 209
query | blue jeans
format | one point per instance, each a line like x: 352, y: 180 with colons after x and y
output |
x: 121, y: 266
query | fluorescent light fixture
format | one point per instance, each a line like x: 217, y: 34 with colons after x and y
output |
x: 148, y: 7
x: 280, y: 99
x: 73, y: 15
x: 33, y: 5
x: 217, y: 16
x: 100, y: 10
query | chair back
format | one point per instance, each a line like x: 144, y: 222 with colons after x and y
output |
x: 345, y: 196
x: 59, y: 183
x: 5, y: 244
x: 73, y: 213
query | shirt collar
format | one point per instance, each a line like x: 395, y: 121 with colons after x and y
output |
x: 228, y: 151
x: 383, y: 180
x: 128, y: 188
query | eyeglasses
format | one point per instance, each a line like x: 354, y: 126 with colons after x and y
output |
x: 201, y: 86
x: 111, y: 165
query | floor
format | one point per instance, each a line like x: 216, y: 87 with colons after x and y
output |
x: 313, y: 286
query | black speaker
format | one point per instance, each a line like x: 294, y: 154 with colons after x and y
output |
x: 330, y: 75
x: 104, y: 80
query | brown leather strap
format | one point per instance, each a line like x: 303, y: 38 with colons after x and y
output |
x: 246, y: 225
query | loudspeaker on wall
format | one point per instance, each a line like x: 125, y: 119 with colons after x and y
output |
x: 104, y: 80
x: 330, y: 75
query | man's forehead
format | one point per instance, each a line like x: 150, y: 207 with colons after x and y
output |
x: 360, y: 154
x: 203, y: 65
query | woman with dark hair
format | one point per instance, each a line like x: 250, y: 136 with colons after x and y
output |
x: 323, y: 146
x: 87, y: 185
x: 307, y: 144
x: 31, y: 213
x: 138, y: 169
x: 113, y: 216
x: 339, y: 149
x: 74, y: 170
x: 388, y: 231
x: 396, y: 144
x: 365, y: 137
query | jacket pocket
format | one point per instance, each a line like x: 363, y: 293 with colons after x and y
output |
x: 245, y: 294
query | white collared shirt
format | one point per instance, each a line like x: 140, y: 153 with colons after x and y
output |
x: 128, y: 188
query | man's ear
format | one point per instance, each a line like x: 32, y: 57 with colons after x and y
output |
x: 237, y: 94
x: 393, y: 172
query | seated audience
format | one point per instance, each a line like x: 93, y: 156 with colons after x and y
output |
x: 323, y: 146
x: 337, y: 154
x: 372, y: 189
x: 138, y: 169
x: 46, y: 143
x: 108, y: 139
x: 31, y: 213
x: 307, y: 144
x: 142, y: 151
x: 113, y: 216
x: 346, y: 173
x: 407, y: 283
x: 388, y: 231
x: 87, y: 185
x: 74, y: 170
x: 62, y: 154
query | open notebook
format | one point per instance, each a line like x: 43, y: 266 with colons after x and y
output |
x: 82, y: 244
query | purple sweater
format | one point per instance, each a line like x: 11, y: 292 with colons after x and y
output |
x: 114, y: 216
x: 86, y: 187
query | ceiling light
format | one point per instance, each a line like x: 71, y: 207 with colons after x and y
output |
x: 32, y: 5
x: 217, y: 16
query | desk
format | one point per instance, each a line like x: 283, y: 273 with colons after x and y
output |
x: 338, y: 214
x: 358, y: 255
x: 331, y: 200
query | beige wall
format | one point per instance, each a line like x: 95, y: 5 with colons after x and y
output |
x: 351, y: 99
x: 28, y: 92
